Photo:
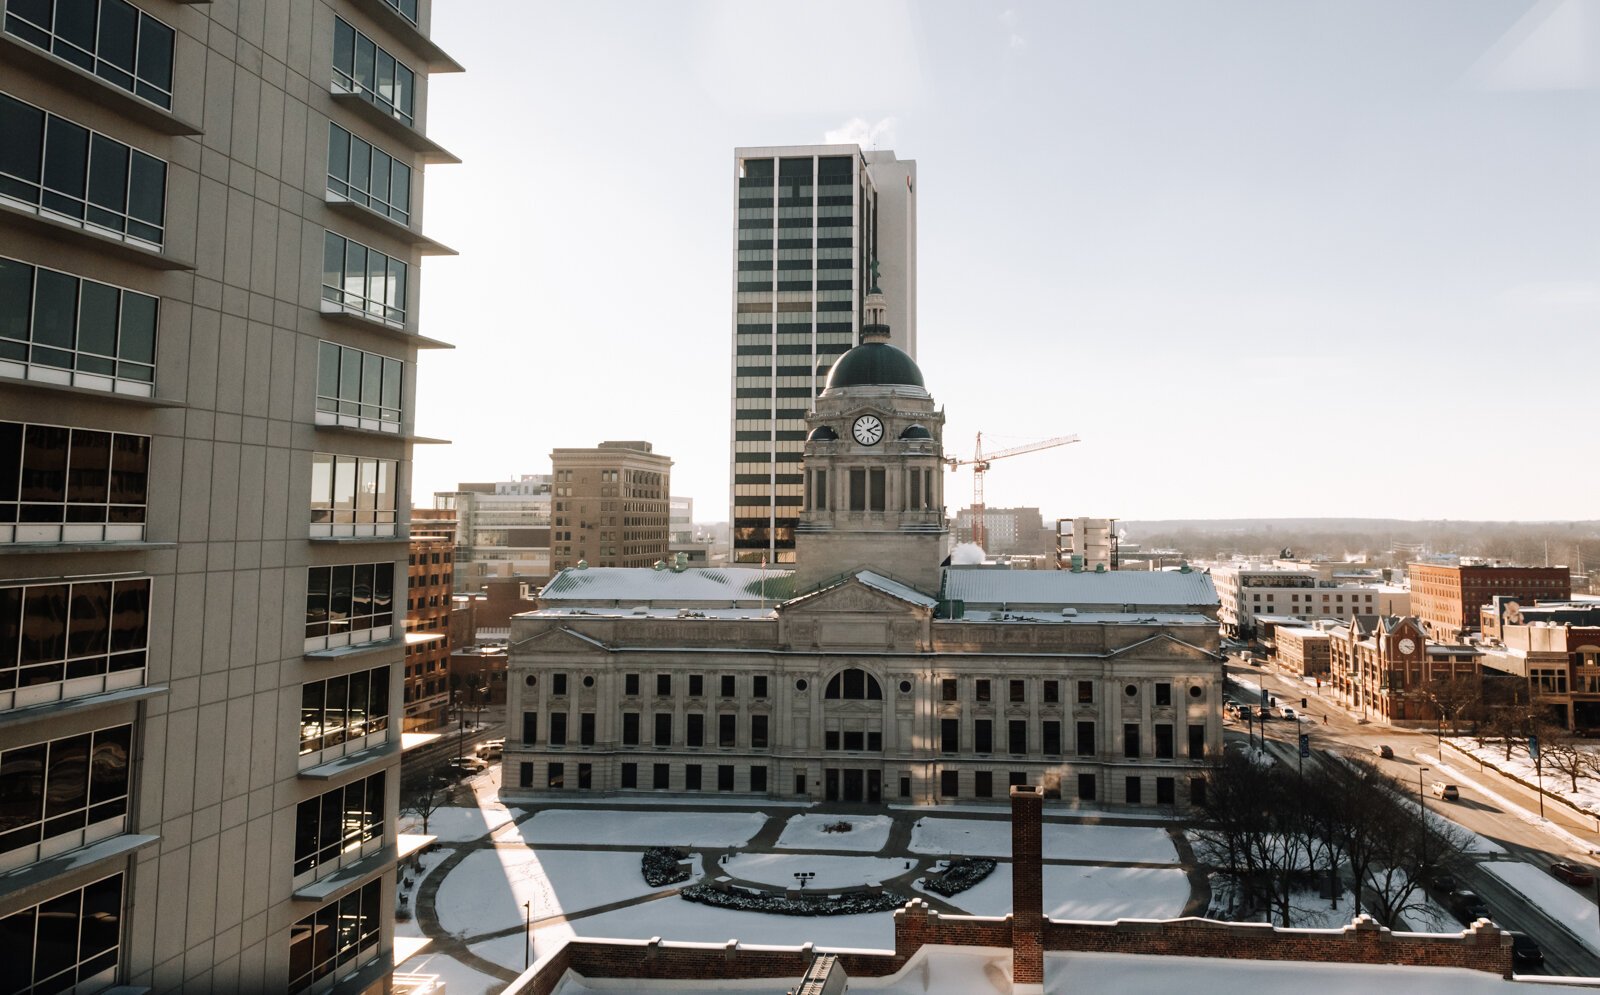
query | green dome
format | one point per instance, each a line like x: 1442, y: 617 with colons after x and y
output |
x: 874, y: 364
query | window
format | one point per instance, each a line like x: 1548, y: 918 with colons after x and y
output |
x: 66, y: 792
x: 362, y: 279
x: 337, y: 938
x: 855, y: 740
x: 361, y: 67
x: 365, y: 174
x: 830, y: 739
x: 530, y: 727
x: 352, y: 495
x: 758, y: 686
x: 342, y: 710
x: 1163, y: 741
x: 51, y: 633
x: 1130, y: 741
x: 1051, y: 734
x: 949, y: 736
x: 1017, y: 736
x: 725, y: 777
x: 358, y: 389
x: 758, y: 732
x: 1052, y: 692
x: 727, y: 686
x: 982, y: 736
x: 949, y: 783
x: 981, y: 690
x: 725, y: 730
x: 630, y: 728
x: 558, y: 685
x: 558, y: 728
x: 348, y: 604
x: 983, y: 784
x: 695, y: 729
x: 586, y: 729
x: 758, y: 778
x: 630, y: 684
x: 1132, y: 788
x: 1166, y: 793
x: 875, y: 489
x: 691, y: 777
x: 854, y: 685
x: 64, y: 170
x: 585, y: 777
x: 1086, y: 787
x: 336, y: 823
x: 697, y: 684
x: 629, y: 774
x: 525, y: 775
x: 1018, y: 691
x: 660, y: 776
x: 131, y: 50
x: 71, y: 484
x: 663, y: 722
x: 948, y: 689
x: 1086, y: 692
x: 1086, y: 745
x: 555, y: 776
x: 1163, y: 694
x: 858, y: 489
x: 50, y: 321
x: 69, y: 940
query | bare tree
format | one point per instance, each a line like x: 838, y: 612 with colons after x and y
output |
x: 1562, y: 753
x: 425, y: 797
x: 1452, y: 698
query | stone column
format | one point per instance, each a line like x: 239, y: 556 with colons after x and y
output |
x: 1027, y: 891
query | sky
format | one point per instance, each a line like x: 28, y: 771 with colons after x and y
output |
x: 1268, y: 259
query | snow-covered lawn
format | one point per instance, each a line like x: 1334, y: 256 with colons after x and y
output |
x: 676, y: 919
x: 460, y: 825
x: 1073, y: 892
x: 992, y: 838
x: 601, y: 827
x: 458, y: 978
x: 867, y: 833
x: 1522, y: 767
x: 486, y: 890
x: 1083, y: 972
x: 831, y: 872
x: 1556, y: 899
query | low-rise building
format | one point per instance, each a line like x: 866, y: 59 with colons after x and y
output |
x: 1556, y: 649
x: 1304, y: 651
x: 1449, y: 597
x: 1382, y: 665
x: 1247, y: 593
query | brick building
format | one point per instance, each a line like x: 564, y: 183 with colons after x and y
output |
x: 1304, y: 651
x: 609, y: 506
x: 1447, y: 597
x: 1382, y: 664
x: 429, y: 578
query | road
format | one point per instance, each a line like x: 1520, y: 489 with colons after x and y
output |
x: 421, y: 762
x: 1416, y: 757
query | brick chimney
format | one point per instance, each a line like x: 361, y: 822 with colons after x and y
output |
x: 1027, y: 890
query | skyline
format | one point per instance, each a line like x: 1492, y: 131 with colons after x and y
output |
x: 1354, y: 208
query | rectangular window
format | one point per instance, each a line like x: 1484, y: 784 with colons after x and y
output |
x: 1197, y: 742
x: 914, y: 501
x: 362, y: 68
x: 855, y: 739
x: 663, y: 685
x: 726, y: 730
x: 830, y: 739
x: 876, y: 489
x: 352, y: 495
x: 691, y: 777
x: 365, y: 174
x: 338, y: 825
x: 62, y: 328
x: 1133, y: 789
x: 349, y: 604
x: 1051, y: 734
x: 1163, y: 694
x: 558, y: 685
x: 558, y: 728
x: 1164, y: 746
x: 983, y: 784
x: 663, y: 729
x: 630, y: 728
x: 758, y: 778
x: 530, y: 727
x: 758, y: 686
x: 525, y: 775
x: 758, y: 732
x: 630, y: 684
x: 1017, y: 737
x: 858, y: 489
x: 981, y: 689
x: 1086, y: 745
x: 697, y: 685
x: 728, y: 686
x: 54, y: 633
x: 949, y: 784
x: 358, y: 389
x: 130, y: 50
x: 948, y: 689
x: 660, y: 776
x: 695, y: 729
x: 1166, y: 791
x: 336, y: 939
x: 1086, y: 787
x: 822, y: 490
x: 629, y: 774
x: 585, y: 777
x: 1130, y: 741
x: 405, y: 8
x: 1052, y: 692
x: 71, y: 939
x: 71, y: 484
x: 982, y: 736
x: 59, y: 169
x: 949, y: 736
x: 342, y: 711
x: 355, y: 277
x: 1086, y: 692
x: 1018, y: 691
x: 586, y: 729
x: 555, y: 776
x: 725, y: 777
x: 875, y: 741
x: 63, y: 794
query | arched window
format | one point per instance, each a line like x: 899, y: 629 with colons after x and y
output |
x: 854, y: 685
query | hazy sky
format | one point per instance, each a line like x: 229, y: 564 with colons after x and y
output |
x: 1268, y: 259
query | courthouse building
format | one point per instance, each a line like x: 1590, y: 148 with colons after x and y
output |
x: 869, y: 672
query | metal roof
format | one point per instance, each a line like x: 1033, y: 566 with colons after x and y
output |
x: 982, y: 587
x: 895, y: 588
x: 719, y: 585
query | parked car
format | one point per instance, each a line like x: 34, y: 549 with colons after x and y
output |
x: 467, y: 765
x: 491, y: 751
x: 1384, y: 751
x: 1573, y: 874
x: 1468, y: 907
x: 1525, y: 949
x: 1444, y: 882
x: 1448, y: 792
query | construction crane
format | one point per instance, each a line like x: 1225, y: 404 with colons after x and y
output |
x: 980, y: 465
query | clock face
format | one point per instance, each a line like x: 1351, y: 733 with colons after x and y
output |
x: 868, y: 430
x: 1406, y: 646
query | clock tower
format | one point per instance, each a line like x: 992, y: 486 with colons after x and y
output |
x: 874, y: 480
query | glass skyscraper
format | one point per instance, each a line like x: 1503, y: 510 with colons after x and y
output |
x: 811, y: 221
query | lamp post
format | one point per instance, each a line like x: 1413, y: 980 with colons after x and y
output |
x: 527, y: 934
x: 1422, y: 801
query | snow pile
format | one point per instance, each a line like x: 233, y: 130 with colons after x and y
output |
x: 866, y: 833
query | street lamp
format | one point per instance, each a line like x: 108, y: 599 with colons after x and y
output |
x: 527, y: 934
x: 1422, y: 801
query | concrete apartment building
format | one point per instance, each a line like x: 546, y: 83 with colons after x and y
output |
x: 210, y: 235
x: 503, y: 531
x: 1008, y: 531
x: 610, y: 506
x: 1448, y: 597
x: 811, y: 222
x: 1248, y: 593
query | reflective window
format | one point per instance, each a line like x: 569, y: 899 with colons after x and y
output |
x: 352, y: 495
x: 361, y: 67
x: 71, y: 940
x: 367, y: 175
x: 338, y: 822
x: 49, y: 321
x: 337, y: 938
x: 405, y: 8
x: 343, y: 709
x: 112, y: 39
x: 350, y: 603
x: 71, y: 484
x: 364, y: 279
x: 55, y: 633
x: 360, y: 389
x: 67, y: 171
x: 76, y: 786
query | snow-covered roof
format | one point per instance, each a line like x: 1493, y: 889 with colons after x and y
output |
x: 1092, y: 618
x: 981, y: 588
x: 895, y: 588
x: 640, y: 585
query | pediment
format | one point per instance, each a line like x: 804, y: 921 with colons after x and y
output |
x: 850, y: 596
x: 559, y: 639
x: 1165, y: 647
